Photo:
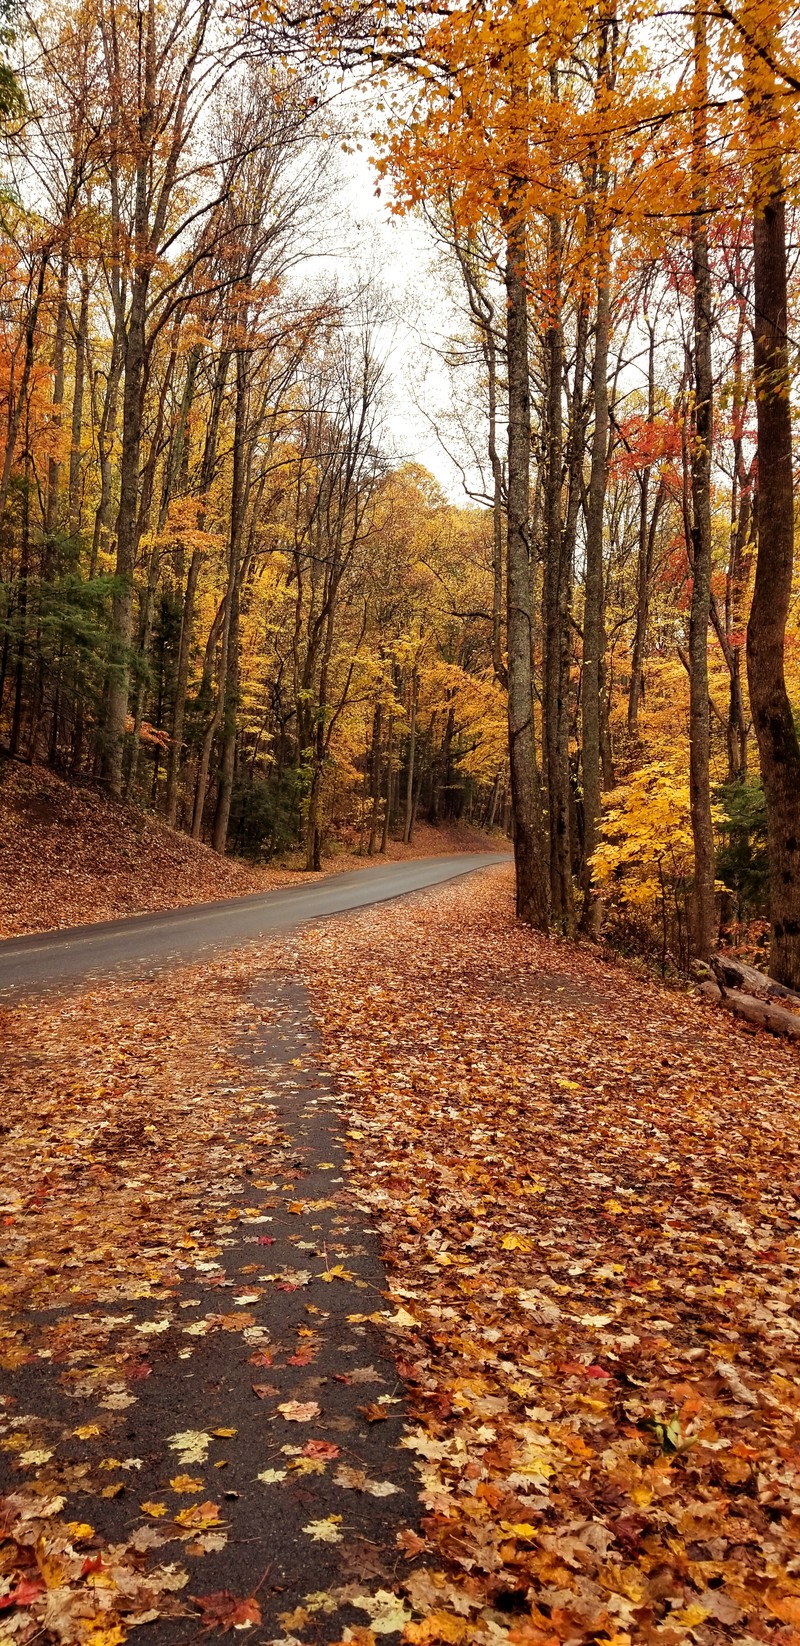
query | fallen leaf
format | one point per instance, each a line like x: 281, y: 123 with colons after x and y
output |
x: 325, y: 1531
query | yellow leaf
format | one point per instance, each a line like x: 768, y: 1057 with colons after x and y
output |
x: 224, y: 1434
x: 186, y: 1484
x: 199, y: 1517
x: 786, y: 1607
x: 156, y: 1510
x: 691, y: 1616
x: 516, y: 1243
x: 439, y: 1626
x: 85, y: 1431
x: 98, y: 1635
x: 79, y: 1530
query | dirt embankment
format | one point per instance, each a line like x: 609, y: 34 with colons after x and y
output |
x: 70, y: 855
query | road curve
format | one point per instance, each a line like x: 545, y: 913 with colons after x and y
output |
x: 150, y: 942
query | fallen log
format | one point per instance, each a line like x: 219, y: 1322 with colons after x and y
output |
x: 761, y: 1014
x: 735, y: 974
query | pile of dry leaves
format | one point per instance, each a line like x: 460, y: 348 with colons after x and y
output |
x: 587, y: 1188
x: 69, y: 855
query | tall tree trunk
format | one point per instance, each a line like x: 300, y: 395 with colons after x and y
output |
x: 219, y: 838
x: 389, y: 784
x: 531, y: 874
x: 216, y: 719
x: 81, y: 335
x: 22, y: 609
x: 21, y: 399
x: 644, y: 557
x: 593, y: 615
x: 207, y: 470
x: 490, y: 357
x: 556, y: 609
x: 229, y: 679
x: 375, y: 779
x: 778, y: 748
x: 59, y: 352
x: 145, y: 636
x: 703, y: 921
x: 181, y: 685
x: 105, y: 446
x: 127, y: 522
x: 412, y: 754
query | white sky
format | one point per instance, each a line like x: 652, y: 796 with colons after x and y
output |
x: 399, y: 252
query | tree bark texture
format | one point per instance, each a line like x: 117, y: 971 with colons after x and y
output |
x: 703, y: 920
x: 529, y: 860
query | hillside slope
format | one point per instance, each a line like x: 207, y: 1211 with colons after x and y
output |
x: 70, y: 855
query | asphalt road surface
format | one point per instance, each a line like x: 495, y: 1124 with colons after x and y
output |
x: 46, y: 960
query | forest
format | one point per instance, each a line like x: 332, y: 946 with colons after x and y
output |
x: 224, y: 598
x: 399, y: 823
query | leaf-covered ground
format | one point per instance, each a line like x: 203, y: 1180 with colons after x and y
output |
x: 587, y: 1189
x: 586, y: 1192
x: 199, y: 1423
x: 70, y: 855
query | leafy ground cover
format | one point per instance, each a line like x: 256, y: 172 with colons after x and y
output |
x: 70, y: 855
x: 199, y: 1423
x: 587, y: 1189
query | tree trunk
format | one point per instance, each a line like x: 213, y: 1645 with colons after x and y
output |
x: 22, y: 393
x: 187, y: 619
x: 229, y: 676
x: 412, y: 754
x: 181, y: 684
x: 222, y: 815
x: 531, y: 875
x: 703, y: 921
x: 375, y: 779
x: 127, y: 523
x: 643, y: 563
x: 389, y: 777
x: 105, y: 446
x: 74, y: 497
x: 59, y: 351
x: 556, y: 609
x: 593, y: 615
x: 779, y: 752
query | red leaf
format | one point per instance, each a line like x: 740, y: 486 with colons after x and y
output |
x: 321, y: 1448
x: 29, y: 1589
x: 222, y: 1610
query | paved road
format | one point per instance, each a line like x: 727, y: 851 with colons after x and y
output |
x: 151, y: 941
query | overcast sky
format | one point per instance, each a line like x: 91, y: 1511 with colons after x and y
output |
x: 399, y: 252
